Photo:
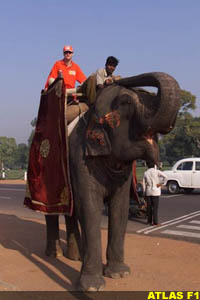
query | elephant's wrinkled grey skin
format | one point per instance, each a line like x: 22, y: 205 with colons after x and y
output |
x: 120, y: 128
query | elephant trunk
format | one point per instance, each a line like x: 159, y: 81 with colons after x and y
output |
x: 168, y: 98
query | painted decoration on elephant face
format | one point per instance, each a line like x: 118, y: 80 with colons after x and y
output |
x: 112, y: 119
x: 96, y: 136
x: 94, y: 133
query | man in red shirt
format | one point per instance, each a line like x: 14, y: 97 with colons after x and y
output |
x: 71, y: 71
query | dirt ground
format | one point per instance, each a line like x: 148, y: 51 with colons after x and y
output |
x: 157, y: 264
x: 17, y: 181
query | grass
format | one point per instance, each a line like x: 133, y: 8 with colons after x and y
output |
x: 14, y: 174
x: 140, y: 171
x: 19, y: 174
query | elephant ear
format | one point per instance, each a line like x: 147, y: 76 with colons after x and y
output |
x: 97, y: 140
x: 102, y: 118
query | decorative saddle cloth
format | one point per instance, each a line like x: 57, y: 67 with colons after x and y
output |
x: 48, y: 180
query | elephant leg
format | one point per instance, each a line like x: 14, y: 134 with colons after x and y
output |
x: 91, y: 277
x: 73, y: 238
x: 117, y: 223
x: 53, y: 247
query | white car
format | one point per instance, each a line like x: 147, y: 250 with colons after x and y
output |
x: 185, y: 174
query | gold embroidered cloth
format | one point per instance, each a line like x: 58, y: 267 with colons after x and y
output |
x: 48, y: 181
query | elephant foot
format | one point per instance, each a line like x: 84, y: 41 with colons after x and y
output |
x: 116, y: 271
x: 72, y: 252
x: 91, y: 283
x: 53, y: 248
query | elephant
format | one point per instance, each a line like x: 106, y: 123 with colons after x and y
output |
x: 121, y: 127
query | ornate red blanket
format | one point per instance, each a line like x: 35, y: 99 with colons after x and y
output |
x: 48, y: 179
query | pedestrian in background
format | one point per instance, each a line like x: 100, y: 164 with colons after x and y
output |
x: 152, y: 182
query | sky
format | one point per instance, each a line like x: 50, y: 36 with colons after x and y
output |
x: 145, y: 35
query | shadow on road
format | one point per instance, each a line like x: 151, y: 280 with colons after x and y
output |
x: 28, y: 238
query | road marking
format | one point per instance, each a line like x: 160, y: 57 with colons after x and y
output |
x: 20, y: 190
x: 168, y: 222
x: 182, y: 233
x: 195, y: 222
x: 189, y: 227
x: 181, y: 220
x: 1, y: 197
x: 176, y: 195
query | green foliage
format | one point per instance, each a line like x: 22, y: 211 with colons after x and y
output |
x: 33, y: 124
x: 15, y: 174
x: 140, y: 171
x: 184, y: 139
x: 188, y: 101
x: 21, y: 156
x: 11, y: 154
x: 8, y: 148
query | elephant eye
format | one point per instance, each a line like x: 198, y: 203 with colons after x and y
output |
x: 125, y: 102
x: 125, y: 99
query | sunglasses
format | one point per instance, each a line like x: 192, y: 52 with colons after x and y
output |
x: 66, y: 52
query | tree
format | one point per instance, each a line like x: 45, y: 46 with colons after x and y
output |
x: 21, y: 156
x: 188, y: 101
x: 33, y: 124
x: 184, y: 139
x: 8, y: 147
x: 12, y: 155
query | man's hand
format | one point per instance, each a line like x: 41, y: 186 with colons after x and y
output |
x: 115, y: 78
x: 108, y: 81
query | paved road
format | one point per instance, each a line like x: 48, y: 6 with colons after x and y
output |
x: 11, y: 201
x: 179, y: 214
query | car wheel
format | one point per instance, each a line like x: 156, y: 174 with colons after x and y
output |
x: 188, y: 190
x: 173, y: 187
